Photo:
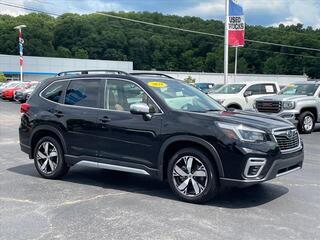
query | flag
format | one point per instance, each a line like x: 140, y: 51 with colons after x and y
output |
x: 236, y: 25
x: 21, y: 42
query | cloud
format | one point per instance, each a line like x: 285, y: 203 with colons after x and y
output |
x: 257, y: 12
x: 13, y: 11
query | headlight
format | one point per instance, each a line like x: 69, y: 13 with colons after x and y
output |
x: 288, y: 105
x: 243, y: 133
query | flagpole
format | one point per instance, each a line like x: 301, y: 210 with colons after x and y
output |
x: 235, y: 63
x: 226, y: 42
x: 19, y: 28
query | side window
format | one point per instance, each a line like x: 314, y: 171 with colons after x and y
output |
x: 54, y: 91
x: 83, y: 93
x: 119, y: 95
x: 255, y: 89
x: 269, y: 89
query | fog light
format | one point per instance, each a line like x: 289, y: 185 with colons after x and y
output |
x: 254, y: 167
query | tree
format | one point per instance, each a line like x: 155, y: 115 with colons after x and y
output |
x: 2, y: 77
x: 190, y: 80
x: 80, y: 53
x: 63, y: 52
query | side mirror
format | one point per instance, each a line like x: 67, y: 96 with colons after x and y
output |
x: 247, y: 93
x: 141, y: 109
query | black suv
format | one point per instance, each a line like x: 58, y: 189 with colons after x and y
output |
x: 154, y: 125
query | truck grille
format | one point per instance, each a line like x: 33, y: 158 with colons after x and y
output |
x: 268, y: 106
x: 288, y: 140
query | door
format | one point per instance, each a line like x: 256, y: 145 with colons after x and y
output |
x: 124, y: 137
x: 259, y: 90
x: 78, y: 114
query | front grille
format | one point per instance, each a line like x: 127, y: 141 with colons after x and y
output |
x: 269, y: 106
x: 287, y: 139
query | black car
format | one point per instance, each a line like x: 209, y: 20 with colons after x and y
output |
x: 155, y: 126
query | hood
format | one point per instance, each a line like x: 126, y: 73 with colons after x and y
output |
x: 252, y: 119
x: 285, y: 98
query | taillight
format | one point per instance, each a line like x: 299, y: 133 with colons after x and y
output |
x: 24, y: 107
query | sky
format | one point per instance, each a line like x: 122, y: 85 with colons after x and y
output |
x: 257, y: 12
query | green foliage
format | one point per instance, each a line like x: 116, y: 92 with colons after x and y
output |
x: 2, y: 77
x: 99, y: 37
x: 190, y: 80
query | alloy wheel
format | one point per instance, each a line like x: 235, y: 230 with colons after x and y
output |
x: 190, y: 176
x: 47, y: 157
x: 308, y: 123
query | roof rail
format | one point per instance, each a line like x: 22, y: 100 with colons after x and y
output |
x: 80, y: 72
x: 151, y: 74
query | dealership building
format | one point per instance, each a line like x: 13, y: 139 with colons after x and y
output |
x: 39, y: 68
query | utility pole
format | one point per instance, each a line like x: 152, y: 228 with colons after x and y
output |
x: 235, y: 63
x: 21, y: 42
x: 226, y: 42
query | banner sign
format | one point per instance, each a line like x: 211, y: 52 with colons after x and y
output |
x: 21, y: 42
x: 236, y: 25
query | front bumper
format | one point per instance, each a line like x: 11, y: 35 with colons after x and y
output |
x: 279, y: 167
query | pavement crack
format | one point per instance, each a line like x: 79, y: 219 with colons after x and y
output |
x: 72, y: 202
x: 17, y: 200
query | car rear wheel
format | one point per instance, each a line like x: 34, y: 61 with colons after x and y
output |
x: 192, y: 176
x: 306, y: 122
x: 48, y: 158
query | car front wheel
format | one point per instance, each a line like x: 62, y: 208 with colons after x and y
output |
x: 306, y: 122
x: 192, y: 176
x: 49, y: 159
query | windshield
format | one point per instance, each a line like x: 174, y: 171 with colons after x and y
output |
x: 181, y: 96
x: 299, y: 89
x: 230, y: 89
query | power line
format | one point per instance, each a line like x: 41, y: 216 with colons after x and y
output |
x: 170, y: 27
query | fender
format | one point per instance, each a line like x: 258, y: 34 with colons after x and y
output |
x: 197, y: 140
x: 52, y: 129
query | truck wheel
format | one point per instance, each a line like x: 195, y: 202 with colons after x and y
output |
x: 192, y: 176
x: 306, y: 122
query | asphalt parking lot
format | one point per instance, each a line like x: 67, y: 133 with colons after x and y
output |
x: 99, y: 204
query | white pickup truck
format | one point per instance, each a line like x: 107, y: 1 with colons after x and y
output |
x: 243, y: 95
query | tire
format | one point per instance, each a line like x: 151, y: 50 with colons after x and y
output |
x: 306, y: 122
x: 194, y: 189
x: 234, y: 106
x: 56, y: 166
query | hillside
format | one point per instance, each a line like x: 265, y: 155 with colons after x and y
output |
x: 99, y: 37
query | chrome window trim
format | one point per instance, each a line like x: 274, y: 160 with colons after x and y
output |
x: 106, y: 79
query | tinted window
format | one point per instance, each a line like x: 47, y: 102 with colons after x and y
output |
x: 54, y: 91
x: 256, y: 89
x: 269, y: 89
x: 300, y: 89
x: 83, y: 93
x: 121, y: 94
x: 230, y: 89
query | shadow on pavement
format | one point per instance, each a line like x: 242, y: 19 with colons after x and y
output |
x: 233, y: 198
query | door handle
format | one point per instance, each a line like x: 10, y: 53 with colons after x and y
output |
x: 104, y: 119
x: 58, y: 114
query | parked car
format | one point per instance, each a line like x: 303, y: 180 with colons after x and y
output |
x: 242, y: 95
x: 298, y: 103
x: 22, y: 95
x: 8, y: 84
x: 154, y: 126
x: 8, y: 91
x: 215, y: 88
x: 204, y: 87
